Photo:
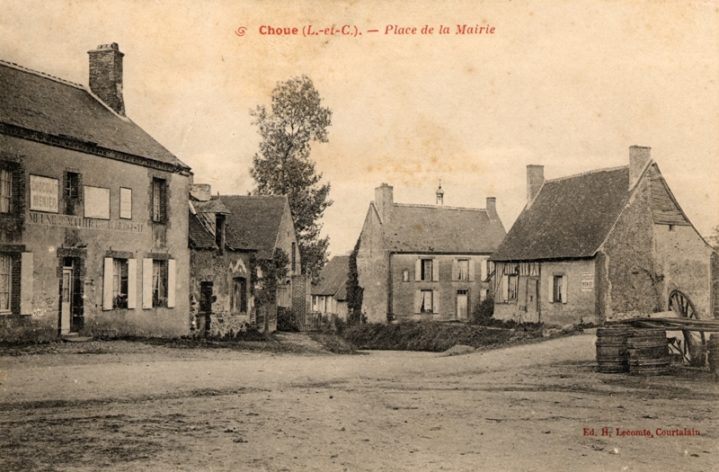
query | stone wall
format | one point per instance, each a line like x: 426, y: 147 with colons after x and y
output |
x: 372, y: 269
x: 45, y: 235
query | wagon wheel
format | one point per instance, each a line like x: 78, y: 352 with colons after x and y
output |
x: 694, y: 343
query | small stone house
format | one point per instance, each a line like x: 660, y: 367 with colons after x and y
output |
x: 93, y: 211
x: 329, y: 294
x: 221, y: 267
x: 600, y: 245
x: 425, y: 262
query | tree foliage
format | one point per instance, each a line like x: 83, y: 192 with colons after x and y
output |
x: 282, y: 166
x: 354, y: 291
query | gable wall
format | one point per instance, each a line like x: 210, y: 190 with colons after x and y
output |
x: 373, y: 268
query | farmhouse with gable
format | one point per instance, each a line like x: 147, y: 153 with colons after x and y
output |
x: 603, y: 244
x: 93, y: 211
x: 425, y: 262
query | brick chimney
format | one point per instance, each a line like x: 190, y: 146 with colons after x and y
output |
x: 383, y: 201
x: 492, y: 208
x: 535, y: 179
x: 106, y: 75
x: 639, y: 156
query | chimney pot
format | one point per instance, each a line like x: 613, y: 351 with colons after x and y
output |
x: 535, y: 180
x: 106, y: 75
x: 383, y: 201
x: 639, y: 156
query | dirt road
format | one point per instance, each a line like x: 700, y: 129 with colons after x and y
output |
x: 529, y: 407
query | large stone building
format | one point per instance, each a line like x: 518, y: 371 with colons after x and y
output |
x: 93, y: 211
x: 603, y: 244
x: 425, y: 262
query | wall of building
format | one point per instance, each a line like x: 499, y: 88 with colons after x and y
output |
x: 221, y: 270
x: 285, y: 238
x: 51, y: 236
x: 372, y: 269
x: 580, y: 302
x: 683, y: 261
x: 403, y: 292
x: 633, y: 286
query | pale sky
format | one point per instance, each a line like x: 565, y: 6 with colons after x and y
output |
x: 570, y: 85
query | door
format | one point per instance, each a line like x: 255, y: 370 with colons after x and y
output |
x: 462, y: 305
x: 206, y: 297
x: 532, y: 300
x: 66, y: 291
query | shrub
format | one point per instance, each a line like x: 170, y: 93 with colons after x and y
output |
x: 286, y: 320
x: 483, y: 312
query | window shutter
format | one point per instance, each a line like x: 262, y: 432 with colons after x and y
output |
x: 418, y: 270
x: 147, y: 283
x: 107, y: 284
x: 471, y: 269
x: 505, y: 288
x: 550, y: 284
x: 435, y: 301
x: 417, y: 301
x: 131, y: 283
x: 564, y: 289
x: 455, y: 271
x: 435, y: 270
x: 26, y: 282
x: 483, y: 268
x: 171, y: 281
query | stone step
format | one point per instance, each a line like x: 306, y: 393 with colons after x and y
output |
x: 75, y: 338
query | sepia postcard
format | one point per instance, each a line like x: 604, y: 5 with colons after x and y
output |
x: 245, y: 235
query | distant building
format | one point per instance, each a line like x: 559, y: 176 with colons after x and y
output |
x: 93, y: 211
x: 221, y: 268
x: 425, y: 262
x: 601, y: 244
x: 329, y: 294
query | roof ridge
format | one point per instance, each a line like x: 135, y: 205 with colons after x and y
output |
x: 253, y: 196
x: 438, y: 207
x: 44, y: 75
x: 587, y: 172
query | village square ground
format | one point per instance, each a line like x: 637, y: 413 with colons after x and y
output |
x: 135, y: 406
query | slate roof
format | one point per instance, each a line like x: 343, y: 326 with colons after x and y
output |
x: 200, y: 236
x: 569, y: 218
x: 254, y: 221
x: 40, y: 102
x: 333, y: 278
x: 428, y: 228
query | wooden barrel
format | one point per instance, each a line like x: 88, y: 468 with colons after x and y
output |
x: 612, y: 349
x: 648, y: 351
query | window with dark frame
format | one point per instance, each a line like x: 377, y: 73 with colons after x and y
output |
x: 6, y: 205
x: 463, y: 269
x: 239, y: 295
x: 557, y: 290
x: 5, y: 283
x: 71, y: 193
x: 159, y: 200
x: 159, y: 283
x: 426, y: 302
x: 119, y: 283
x: 426, y: 270
x: 294, y: 257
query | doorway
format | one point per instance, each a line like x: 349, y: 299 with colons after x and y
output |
x: 71, y: 303
x: 206, y: 299
x: 462, y: 304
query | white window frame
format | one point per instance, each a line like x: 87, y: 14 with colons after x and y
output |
x: 6, y: 200
x: 126, y: 210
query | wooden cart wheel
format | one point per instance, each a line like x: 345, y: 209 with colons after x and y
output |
x: 694, y: 343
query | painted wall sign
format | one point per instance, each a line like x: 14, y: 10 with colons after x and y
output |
x: 587, y: 282
x: 68, y: 221
x: 43, y: 194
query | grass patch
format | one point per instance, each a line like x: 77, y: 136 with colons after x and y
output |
x: 434, y: 336
x: 333, y: 343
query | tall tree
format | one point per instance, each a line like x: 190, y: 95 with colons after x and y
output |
x: 283, y: 166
